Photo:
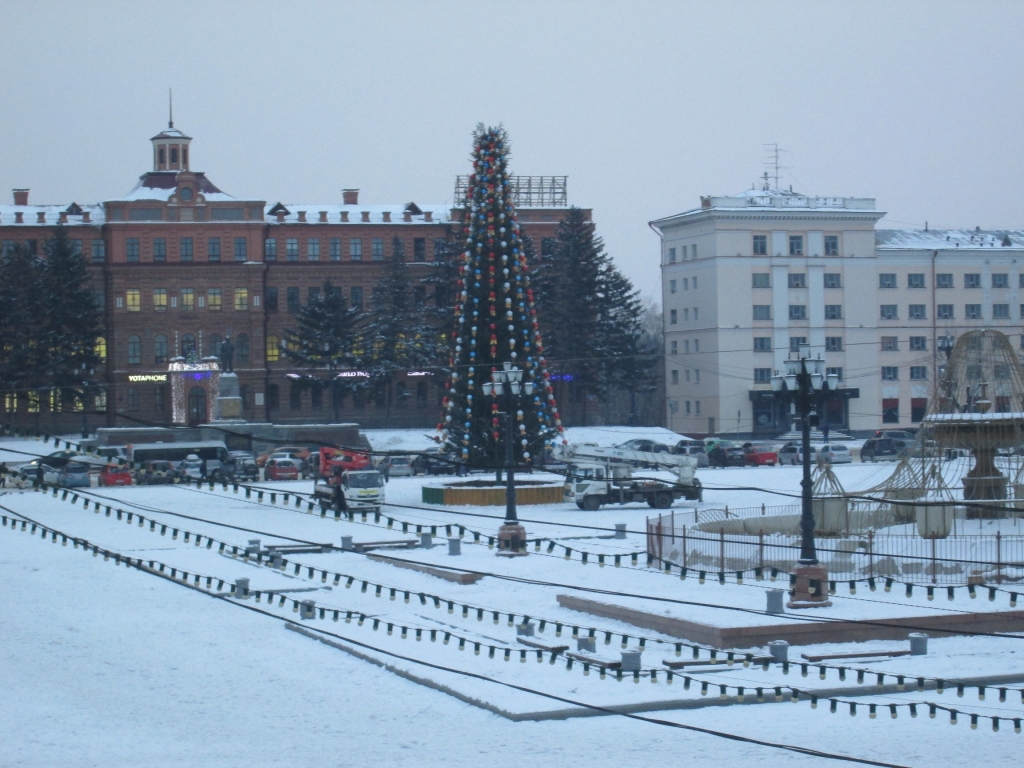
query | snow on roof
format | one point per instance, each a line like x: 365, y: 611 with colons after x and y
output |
x: 159, y: 185
x: 941, y: 239
x: 30, y: 215
x: 439, y: 213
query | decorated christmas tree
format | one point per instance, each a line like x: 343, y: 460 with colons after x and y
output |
x: 495, y: 325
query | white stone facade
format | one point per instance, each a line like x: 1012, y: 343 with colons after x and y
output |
x: 744, y: 276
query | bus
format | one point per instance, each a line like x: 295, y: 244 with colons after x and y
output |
x: 211, y: 450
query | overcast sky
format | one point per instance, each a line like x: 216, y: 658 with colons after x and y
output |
x: 644, y: 105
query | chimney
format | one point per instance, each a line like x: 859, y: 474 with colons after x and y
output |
x: 302, y: 217
x: 407, y: 216
x: 387, y: 216
x: 350, y: 196
x: 428, y: 216
x: 366, y: 215
x: 19, y: 217
x: 63, y: 217
x: 323, y: 217
x: 344, y: 217
x: 280, y: 217
x: 40, y: 217
x: 21, y: 197
x: 86, y: 217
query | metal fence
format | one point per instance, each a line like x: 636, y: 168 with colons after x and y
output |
x: 960, y: 559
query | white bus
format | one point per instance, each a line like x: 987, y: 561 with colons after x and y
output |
x: 211, y: 450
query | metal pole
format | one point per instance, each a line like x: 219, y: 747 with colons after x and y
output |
x: 808, y: 555
x: 510, y: 480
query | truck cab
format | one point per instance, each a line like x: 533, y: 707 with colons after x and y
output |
x: 363, y: 489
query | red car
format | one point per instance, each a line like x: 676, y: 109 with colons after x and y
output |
x: 281, y: 469
x: 114, y: 475
x: 759, y: 455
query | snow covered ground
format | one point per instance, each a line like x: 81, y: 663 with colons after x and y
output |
x: 105, y: 665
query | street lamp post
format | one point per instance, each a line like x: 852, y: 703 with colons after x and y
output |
x: 807, y: 387
x: 507, y: 383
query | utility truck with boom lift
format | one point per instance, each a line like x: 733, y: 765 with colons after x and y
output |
x: 597, y: 476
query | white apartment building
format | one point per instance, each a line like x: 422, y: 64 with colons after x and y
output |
x: 747, y: 278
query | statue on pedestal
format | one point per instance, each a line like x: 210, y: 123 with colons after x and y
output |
x: 227, y: 356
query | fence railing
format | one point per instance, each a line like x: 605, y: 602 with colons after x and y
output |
x: 966, y: 558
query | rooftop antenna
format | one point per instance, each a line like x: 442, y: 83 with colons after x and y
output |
x: 772, y: 163
x: 170, y: 108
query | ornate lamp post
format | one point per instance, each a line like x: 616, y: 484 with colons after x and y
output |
x: 807, y: 388
x: 507, y: 383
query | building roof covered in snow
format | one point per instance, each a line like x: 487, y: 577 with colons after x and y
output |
x: 944, y: 239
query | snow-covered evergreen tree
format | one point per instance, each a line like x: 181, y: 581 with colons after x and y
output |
x: 325, y: 341
x: 495, y: 323
x: 22, y: 313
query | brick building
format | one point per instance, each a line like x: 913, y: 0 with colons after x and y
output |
x: 180, y: 265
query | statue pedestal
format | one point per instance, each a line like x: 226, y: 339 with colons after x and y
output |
x: 228, y: 405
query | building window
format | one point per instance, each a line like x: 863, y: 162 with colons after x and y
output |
x: 356, y: 299
x: 687, y: 407
x: 973, y: 371
x: 398, y: 249
x: 133, y: 299
x: 891, y: 411
x: 761, y: 280
x: 693, y: 251
x: 687, y: 374
x: 674, y: 376
x: 213, y: 299
x: 888, y: 312
x: 101, y: 348
x: 696, y: 407
x: 918, y: 343
x: 696, y: 345
x: 291, y: 249
x: 188, y: 299
x: 833, y: 343
x: 944, y: 280
x: 188, y: 345
x: 159, y: 249
x: 132, y: 249
x: 270, y: 300
x: 795, y: 342
x: 241, y: 299
x: 918, y: 409
x: 335, y: 246
x: 213, y: 249
x: 355, y: 248
x: 419, y: 249
x: 316, y: 398
x: 671, y: 255
x: 837, y: 371
x: 918, y: 373
x: 762, y: 343
x: 295, y: 397
x: 313, y: 249
x: 270, y: 249
x: 972, y: 311
x: 133, y: 398
x: 312, y: 294
x: 292, y: 299
x: 1000, y: 311
x: 833, y: 311
x: 696, y: 312
x: 762, y: 312
x: 159, y: 349
x: 915, y: 280
x: 831, y: 245
x: 686, y: 283
x: 918, y: 312
x: 99, y: 252
x: 890, y: 344
x: 241, y: 249
x: 796, y: 245
x: 833, y: 280
x: 185, y: 249
x: 972, y: 280
x: 762, y: 375
x: 377, y: 249
x: 673, y: 347
x: 1001, y: 371
x: 159, y: 299
x: 214, y: 345
x: 760, y: 245
x: 242, y: 347
x: 797, y: 311
x: 944, y: 311
x: 273, y: 349
x: 890, y: 373
x: 887, y: 281
x: 797, y: 280
x: 671, y: 286
x: 273, y: 396
x: 134, y: 349
x: 686, y: 313
x: 673, y: 317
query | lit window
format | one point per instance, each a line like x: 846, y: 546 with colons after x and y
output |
x: 273, y: 349
x: 101, y: 348
x: 159, y: 299
x: 188, y: 299
x: 133, y: 300
x: 213, y: 299
x: 241, y: 299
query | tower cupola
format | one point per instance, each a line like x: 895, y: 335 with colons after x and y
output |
x: 170, y: 147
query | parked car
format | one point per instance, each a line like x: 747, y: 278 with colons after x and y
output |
x: 74, y: 475
x: 192, y: 466
x: 156, y: 472
x: 433, y: 463
x: 696, y: 450
x: 647, y: 446
x: 735, y: 457
x: 112, y: 474
x: 835, y: 453
x: 896, y: 434
x: 238, y: 469
x: 297, y: 450
x: 396, y: 466
x: 282, y: 469
x: 761, y: 455
x: 302, y: 462
x: 883, y: 449
x: 791, y: 454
